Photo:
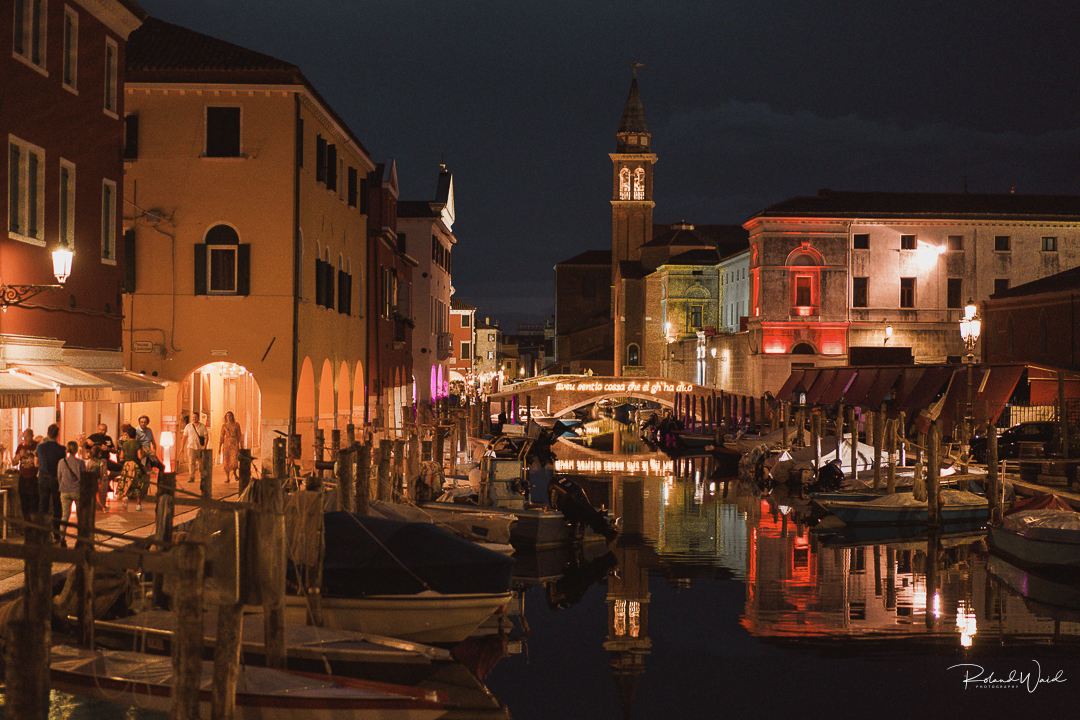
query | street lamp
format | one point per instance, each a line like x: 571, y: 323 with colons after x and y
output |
x: 970, y: 327
x: 18, y: 294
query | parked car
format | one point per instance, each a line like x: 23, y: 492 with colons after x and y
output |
x: 1039, y: 431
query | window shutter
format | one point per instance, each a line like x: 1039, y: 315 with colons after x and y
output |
x: 129, y: 260
x: 319, y: 282
x: 344, y: 290
x: 320, y: 159
x: 364, y: 196
x: 200, y: 269
x: 131, y: 137
x: 243, y: 269
x: 331, y: 167
x: 328, y: 285
x: 352, y: 187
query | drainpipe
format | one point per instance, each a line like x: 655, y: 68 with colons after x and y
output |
x: 296, y: 275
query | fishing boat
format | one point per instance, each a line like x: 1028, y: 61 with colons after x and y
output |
x: 414, y: 581
x: 956, y: 506
x: 1047, y: 537
x: 146, y: 681
x: 489, y: 527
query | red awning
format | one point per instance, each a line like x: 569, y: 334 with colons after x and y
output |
x: 863, y: 382
x: 880, y: 388
x: 841, y: 382
x: 789, y: 385
x: 995, y: 391
x: 934, y: 380
x: 824, y: 379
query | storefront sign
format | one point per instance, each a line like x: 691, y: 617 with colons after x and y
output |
x: 85, y: 394
x: 10, y: 400
x: 651, y: 387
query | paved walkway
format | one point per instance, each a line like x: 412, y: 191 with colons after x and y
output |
x: 116, y: 519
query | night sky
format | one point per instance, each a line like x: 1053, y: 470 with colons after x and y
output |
x: 748, y: 102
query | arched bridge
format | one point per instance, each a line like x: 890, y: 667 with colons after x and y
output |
x: 562, y: 394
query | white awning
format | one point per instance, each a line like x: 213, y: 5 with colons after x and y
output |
x: 20, y: 391
x: 74, y: 385
x: 129, y: 387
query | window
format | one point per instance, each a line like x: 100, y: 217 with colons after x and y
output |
x: 320, y: 159
x: 465, y: 320
x: 803, y: 291
x: 71, y: 48
x: 28, y: 40
x: 344, y: 292
x: 222, y: 263
x: 956, y: 243
x: 67, y: 203
x: 131, y: 137
x: 1002, y: 243
x: 341, y: 176
x: 389, y: 291
x: 331, y: 167
x: 1001, y: 285
x: 26, y: 191
x: 860, y: 296
x: 108, y: 221
x: 639, y: 184
x: 907, y: 292
x: 1049, y: 244
x: 110, y: 76
x: 954, y: 293
x: 908, y: 242
x: 633, y: 355
x: 861, y: 241
x: 624, y: 184
x: 352, y: 186
x: 466, y: 348
x: 695, y: 316
x: 491, y: 337
x: 222, y: 132
x: 324, y: 281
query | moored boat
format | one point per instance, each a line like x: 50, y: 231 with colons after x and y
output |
x: 1041, y: 537
x: 413, y: 581
x: 903, y: 508
x: 146, y: 681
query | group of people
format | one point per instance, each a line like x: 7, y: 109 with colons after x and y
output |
x: 50, y: 473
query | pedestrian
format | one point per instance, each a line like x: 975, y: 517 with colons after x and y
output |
x: 70, y: 470
x: 194, y: 440
x: 232, y: 438
x: 27, y: 461
x: 132, y: 484
x: 145, y: 436
x: 49, y: 454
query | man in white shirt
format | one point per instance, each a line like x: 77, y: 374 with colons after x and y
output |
x: 194, y: 439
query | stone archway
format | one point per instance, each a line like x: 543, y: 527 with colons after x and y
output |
x: 212, y: 390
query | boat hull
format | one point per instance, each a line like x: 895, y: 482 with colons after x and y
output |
x: 854, y: 512
x: 146, y: 682
x: 425, y: 617
x: 1035, y: 551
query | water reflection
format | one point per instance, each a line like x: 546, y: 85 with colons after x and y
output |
x: 692, y: 539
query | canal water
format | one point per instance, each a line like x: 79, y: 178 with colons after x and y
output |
x: 720, y: 601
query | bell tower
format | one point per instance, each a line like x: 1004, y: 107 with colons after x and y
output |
x: 632, y: 182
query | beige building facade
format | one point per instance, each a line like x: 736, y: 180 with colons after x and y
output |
x: 246, y: 243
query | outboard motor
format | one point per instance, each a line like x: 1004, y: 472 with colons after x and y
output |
x: 567, y: 497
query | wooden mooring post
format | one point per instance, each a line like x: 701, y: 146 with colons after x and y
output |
x: 28, y: 633
x: 188, y: 639
x: 164, y: 512
x: 385, y: 451
x: 363, y: 479
x: 933, y: 510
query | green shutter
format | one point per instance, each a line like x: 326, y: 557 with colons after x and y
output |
x: 200, y: 269
x: 243, y: 269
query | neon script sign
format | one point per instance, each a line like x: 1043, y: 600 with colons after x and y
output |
x: 650, y: 388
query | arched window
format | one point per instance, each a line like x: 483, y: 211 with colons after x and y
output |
x: 639, y: 184
x: 803, y: 348
x: 222, y: 263
x: 624, y: 184
x: 633, y: 355
x: 804, y: 278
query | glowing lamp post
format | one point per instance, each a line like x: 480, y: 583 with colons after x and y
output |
x: 18, y: 294
x: 970, y: 327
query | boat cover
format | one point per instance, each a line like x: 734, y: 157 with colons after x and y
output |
x: 1045, y: 524
x: 1038, y: 502
x: 373, y: 556
x: 949, y: 498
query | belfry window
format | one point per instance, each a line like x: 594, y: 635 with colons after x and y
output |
x: 639, y: 184
x: 624, y: 184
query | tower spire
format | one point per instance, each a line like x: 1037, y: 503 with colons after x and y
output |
x: 633, y: 131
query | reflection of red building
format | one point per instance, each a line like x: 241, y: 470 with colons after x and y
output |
x: 390, y: 318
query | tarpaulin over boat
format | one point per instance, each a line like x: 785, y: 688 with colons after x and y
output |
x: 373, y: 556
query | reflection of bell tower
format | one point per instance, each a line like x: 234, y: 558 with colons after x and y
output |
x: 628, y: 596
x: 632, y: 191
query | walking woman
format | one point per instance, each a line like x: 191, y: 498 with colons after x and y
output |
x: 229, y: 446
x: 27, y: 460
x: 132, y: 473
